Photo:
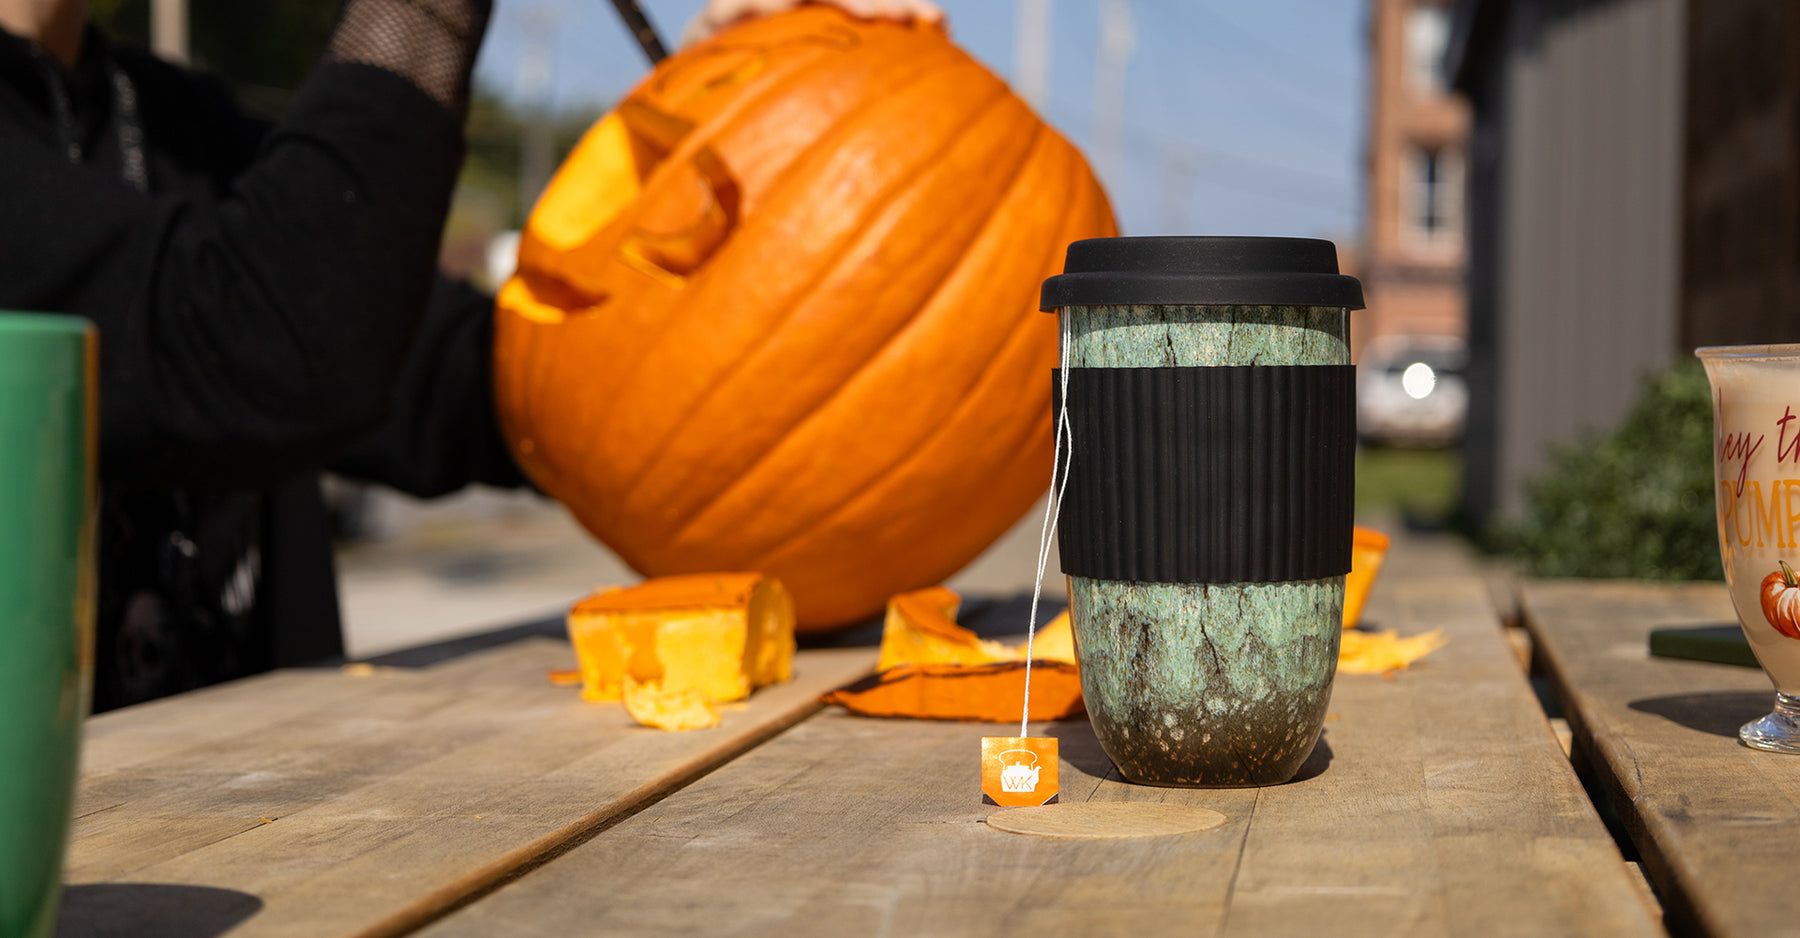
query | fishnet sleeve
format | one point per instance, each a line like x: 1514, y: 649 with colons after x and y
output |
x: 431, y: 43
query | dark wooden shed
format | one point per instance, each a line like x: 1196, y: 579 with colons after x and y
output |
x: 1634, y: 175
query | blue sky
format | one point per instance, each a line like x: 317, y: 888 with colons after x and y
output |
x: 1240, y: 118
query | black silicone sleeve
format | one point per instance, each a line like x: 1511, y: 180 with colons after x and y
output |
x: 1237, y: 474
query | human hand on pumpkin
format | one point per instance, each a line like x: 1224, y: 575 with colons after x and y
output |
x: 719, y: 14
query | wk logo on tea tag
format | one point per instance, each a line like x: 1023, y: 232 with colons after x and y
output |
x: 1018, y: 771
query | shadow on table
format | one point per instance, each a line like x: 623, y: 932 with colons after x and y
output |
x: 151, y: 910
x: 1717, y: 712
x: 1316, y: 762
x: 425, y: 656
x: 1078, y: 746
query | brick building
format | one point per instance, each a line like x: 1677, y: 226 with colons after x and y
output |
x: 1412, y: 255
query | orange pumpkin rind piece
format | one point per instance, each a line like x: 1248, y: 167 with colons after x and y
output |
x: 1054, y: 641
x: 1384, y: 652
x: 1368, y: 548
x: 932, y: 668
x: 719, y: 635
x: 921, y: 628
x: 991, y: 693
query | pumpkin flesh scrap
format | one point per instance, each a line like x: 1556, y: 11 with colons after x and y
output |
x: 718, y: 635
x: 650, y: 705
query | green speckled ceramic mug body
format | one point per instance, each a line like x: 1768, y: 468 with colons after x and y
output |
x: 1219, y: 684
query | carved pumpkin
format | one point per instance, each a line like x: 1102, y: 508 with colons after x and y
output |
x: 778, y: 312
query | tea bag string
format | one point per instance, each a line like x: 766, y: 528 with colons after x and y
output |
x: 1063, y: 438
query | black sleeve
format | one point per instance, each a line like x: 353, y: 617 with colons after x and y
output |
x: 441, y: 432
x: 249, y: 337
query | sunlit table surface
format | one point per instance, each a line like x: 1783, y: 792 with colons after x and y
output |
x: 456, y: 792
x: 1716, y: 824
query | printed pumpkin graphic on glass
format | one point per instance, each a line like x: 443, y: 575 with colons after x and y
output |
x: 1781, y: 600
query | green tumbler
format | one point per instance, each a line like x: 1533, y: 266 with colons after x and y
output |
x: 47, y: 463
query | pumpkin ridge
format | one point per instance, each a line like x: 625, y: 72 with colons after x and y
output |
x: 980, y: 393
x: 681, y: 528
x: 875, y: 208
x: 967, y: 399
x: 773, y: 555
x: 1082, y: 189
x: 578, y: 456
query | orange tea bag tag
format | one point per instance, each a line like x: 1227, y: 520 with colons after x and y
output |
x: 1018, y: 771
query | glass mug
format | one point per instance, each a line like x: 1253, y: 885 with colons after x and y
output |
x: 1756, y: 468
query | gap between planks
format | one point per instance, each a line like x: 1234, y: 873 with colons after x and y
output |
x: 473, y: 886
x: 467, y: 870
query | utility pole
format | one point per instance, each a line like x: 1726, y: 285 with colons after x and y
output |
x: 1118, y: 40
x: 537, y: 144
x: 1031, y: 51
x: 1177, y: 189
x: 169, y: 30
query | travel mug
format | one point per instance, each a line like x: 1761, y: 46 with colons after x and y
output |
x: 1206, y: 520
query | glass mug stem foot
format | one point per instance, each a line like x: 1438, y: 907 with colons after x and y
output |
x: 1777, y: 732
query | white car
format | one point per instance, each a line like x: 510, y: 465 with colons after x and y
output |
x: 1411, y: 390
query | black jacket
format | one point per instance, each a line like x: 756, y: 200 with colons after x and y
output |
x: 267, y: 308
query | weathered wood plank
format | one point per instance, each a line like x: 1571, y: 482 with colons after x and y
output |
x: 1440, y: 803
x: 1717, y: 823
x: 390, y: 797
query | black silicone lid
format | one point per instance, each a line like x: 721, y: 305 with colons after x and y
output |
x: 1201, y: 271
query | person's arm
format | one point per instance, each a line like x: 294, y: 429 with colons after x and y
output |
x: 255, y: 335
x: 442, y: 432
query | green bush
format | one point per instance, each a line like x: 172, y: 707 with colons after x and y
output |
x: 1637, y: 503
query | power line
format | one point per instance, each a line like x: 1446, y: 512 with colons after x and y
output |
x: 1265, y: 50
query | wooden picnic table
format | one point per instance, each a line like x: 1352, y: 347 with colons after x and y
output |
x: 1717, y: 823
x: 470, y: 797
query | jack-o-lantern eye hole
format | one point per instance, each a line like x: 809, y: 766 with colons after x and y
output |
x: 696, y: 208
x: 676, y: 236
x: 653, y: 134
